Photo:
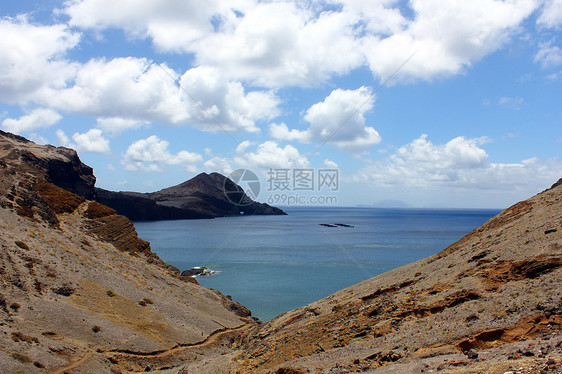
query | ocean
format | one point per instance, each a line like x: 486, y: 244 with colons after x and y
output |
x: 273, y: 264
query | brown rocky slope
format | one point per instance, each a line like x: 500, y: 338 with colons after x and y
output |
x: 78, y: 288
x: 490, y: 302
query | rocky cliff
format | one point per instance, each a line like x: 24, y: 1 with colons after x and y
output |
x: 204, y: 196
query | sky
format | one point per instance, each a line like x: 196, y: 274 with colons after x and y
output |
x: 421, y: 103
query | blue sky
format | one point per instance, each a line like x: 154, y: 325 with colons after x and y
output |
x: 428, y: 102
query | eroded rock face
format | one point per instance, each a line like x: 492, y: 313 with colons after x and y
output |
x: 58, y: 165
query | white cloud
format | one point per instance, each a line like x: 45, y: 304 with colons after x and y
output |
x: 62, y: 138
x: 172, y: 25
x: 133, y: 91
x: 551, y: 15
x: 224, y: 105
x: 281, y: 43
x: 116, y: 125
x: 270, y: 155
x: 151, y: 153
x: 37, y: 119
x: 243, y: 146
x: 339, y: 120
x: 330, y: 164
x: 36, y: 138
x: 32, y: 57
x: 90, y: 141
x: 446, y: 37
x: 549, y: 55
x: 285, y: 43
x: 511, y: 102
x: 282, y: 132
x: 218, y: 164
x: 460, y: 163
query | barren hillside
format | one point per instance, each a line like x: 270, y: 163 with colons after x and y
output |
x: 78, y: 288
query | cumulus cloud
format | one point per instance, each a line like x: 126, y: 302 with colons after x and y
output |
x: 32, y: 57
x: 91, y: 141
x: 222, y: 105
x: 218, y: 164
x: 270, y: 155
x: 172, y: 25
x: 551, y: 15
x: 446, y: 36
x: 116, y: 125
x: 330, y: 164
x: 459, y: 163
x: 151, y: 153
x: 37, y: 119
x: 135, y: 91
x: 281, y: 43
x: 339, y: 120
x: 549, y: 55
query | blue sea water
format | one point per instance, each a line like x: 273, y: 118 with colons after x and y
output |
x: 273, y: 264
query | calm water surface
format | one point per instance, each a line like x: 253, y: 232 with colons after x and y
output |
x: 273, y: 264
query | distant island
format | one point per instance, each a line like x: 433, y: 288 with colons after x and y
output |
x: 204, y: 196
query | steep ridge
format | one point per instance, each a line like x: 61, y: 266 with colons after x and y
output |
x: 78, y: 288
x: 203, y: 196
x: 491, y: 301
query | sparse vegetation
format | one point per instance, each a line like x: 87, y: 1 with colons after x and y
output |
x: 15, y: 306
x: 38, y: 286
x: 20, y: 337
x: 64, y: 290
x: 147, y: 300
x: 21, y: 244
x: 21, y: 357
x: 111, y: 293
x: 142, y: 303
x: 96, y: 329
x: 97, y: 210
x: 50, y: 273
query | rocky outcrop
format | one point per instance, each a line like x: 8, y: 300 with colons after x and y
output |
x: 58, y: 165
x: 204, y: 196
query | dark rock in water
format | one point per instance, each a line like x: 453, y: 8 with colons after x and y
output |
x: 197, y: 271
x: 204, y: 196
x: 192, y: 272
x: 335, y: 225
